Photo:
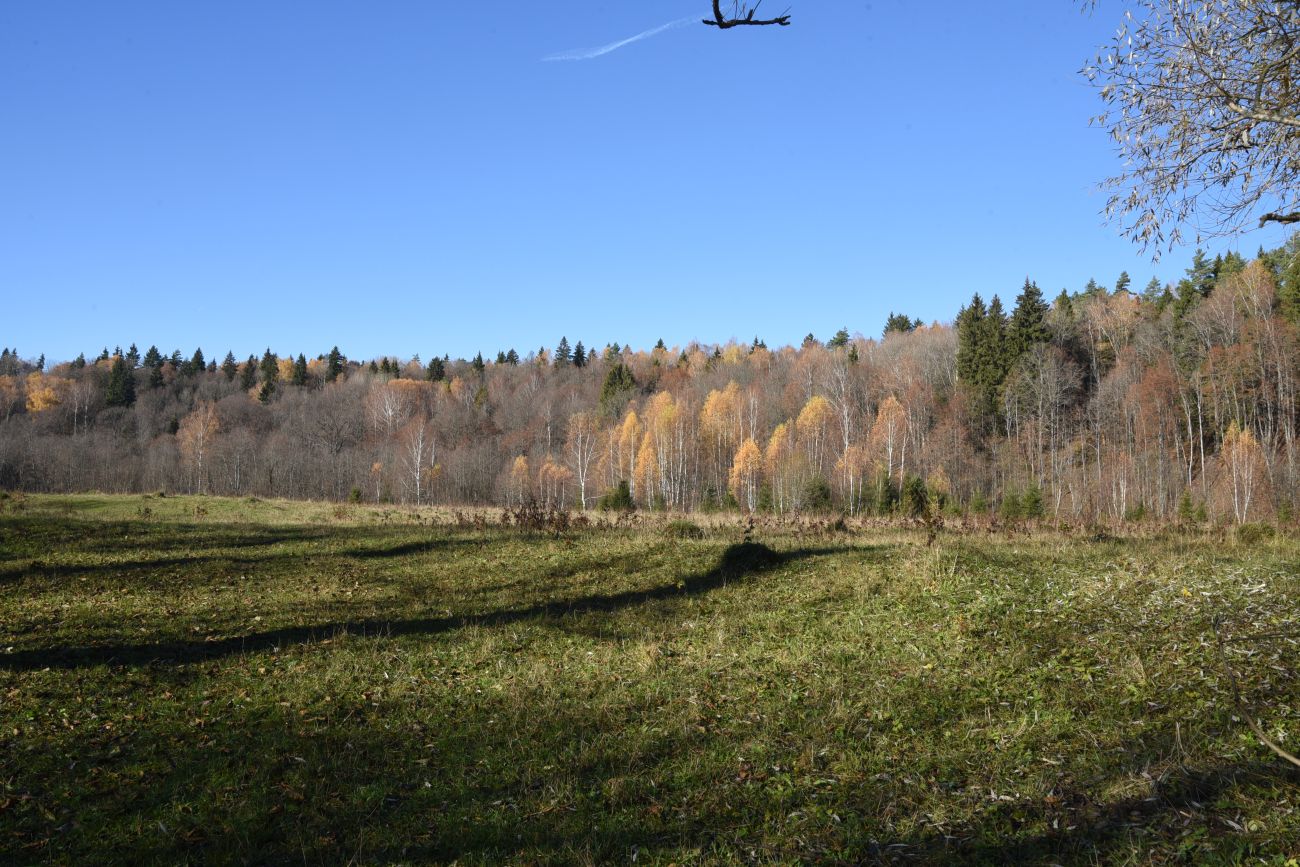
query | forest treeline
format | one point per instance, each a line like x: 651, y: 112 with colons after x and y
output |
x: 1176, y: 402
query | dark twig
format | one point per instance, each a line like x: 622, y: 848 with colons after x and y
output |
x: 1242, y: 711
x: 744, y: 16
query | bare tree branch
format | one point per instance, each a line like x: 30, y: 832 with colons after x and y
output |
x: 743, y: 15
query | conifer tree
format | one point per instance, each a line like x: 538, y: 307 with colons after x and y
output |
x: 512, y: 357
x: 121, y: 384
x: 840, y: 340
x: 40, y: 363
x: 248, y: 373
x: 617, y: 389
x: 333, y: 364
x: 1122, y: 284
x: 133, y: 356
x: 230, y: 367
x: 269, y: 368
x: 79, y: 362
x: 563, y: 355
x: 436, y: 371
x: 1028, y: 321
x: 579, y: 355
x: 153, y: 358
x: 501, y: 357
x: 299, y: 370
x: 478, y: 364
x: 897, y: 323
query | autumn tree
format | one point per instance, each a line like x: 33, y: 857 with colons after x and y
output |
x: 195, y: 437
x: 583, y: 433
x: 1201, y: 104
x: 746, y: 469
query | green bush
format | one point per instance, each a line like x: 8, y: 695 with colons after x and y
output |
x: 1011, y: 509
x: 979, y: 504
x: 1136, y: 514
x: 914, y: 498
x: 1186, y: 511
x: 354, y: 495
x: 1032, y: 503
x: 1253, y: 534
x: 617, y: 499
x: 683, y: 529
x: 817, y: 495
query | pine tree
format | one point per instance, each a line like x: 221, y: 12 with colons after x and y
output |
x: 809, y: 340
x: 121, y: 384
x: 299, y: 371
x: 512, y: 357
x: 269, y: 368
x: 333, y: 365
x: 79, y: 363
x: 840, y: 340
x: 197, y: 362
x: 1123, y: 282
x: 40, y: 363
x: 897, y: 323
x: 248, y: 373
x: 374, y: 368
x: 579, y: 355
x: 156, y: 378
x: 436, y: 371
x: 103, y: 356
x: 969, y: 323
x: 174, y: 361
x: 617, y: 389
x: 153, y: 358
x: 501, y: 357
x: 133, y: 356
x: 563, y: 355
x: 230, y: 367
x: 1028, y: 321
x: 478, y: 364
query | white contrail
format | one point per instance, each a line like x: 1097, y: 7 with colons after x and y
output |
x: 589, y: 53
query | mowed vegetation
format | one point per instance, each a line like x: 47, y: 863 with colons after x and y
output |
x: 251, y: 681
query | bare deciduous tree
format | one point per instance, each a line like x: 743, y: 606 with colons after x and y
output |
x: 1202, y: 102
x: 742, y: 14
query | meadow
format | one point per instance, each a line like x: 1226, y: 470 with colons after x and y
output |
x: 235, y: 681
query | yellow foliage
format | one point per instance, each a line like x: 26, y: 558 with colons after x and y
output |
x: 44, y: 392
x: 745, y: 470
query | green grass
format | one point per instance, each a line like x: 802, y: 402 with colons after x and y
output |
x: 234, y: 681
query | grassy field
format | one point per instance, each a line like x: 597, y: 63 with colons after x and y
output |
x: 242, y: 681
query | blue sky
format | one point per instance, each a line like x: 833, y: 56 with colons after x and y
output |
x: 413, y: 177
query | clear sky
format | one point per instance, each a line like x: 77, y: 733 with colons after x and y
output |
x: 414, y: 177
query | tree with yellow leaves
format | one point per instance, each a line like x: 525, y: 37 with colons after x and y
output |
x: 44, y: 392
x: 813, y: 429
x: 519, y: 488
x: 194, y: 437
x: 1245, y: 463
x: 784, y: 468
x: 888, y: 436
x: 745, y: 472
x: 721, y: 424
x: 553, y: 481
x: 854, y: 467
x: 583, y: 433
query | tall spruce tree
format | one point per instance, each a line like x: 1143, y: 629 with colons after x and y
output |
x: 1028, y: 322
x: 269, y: 368
x: 299, y: 371
x: 230, y: 367
x: 121, y: 384
x: 579, y: 355
x: 333, y: 365
x: 248, y: 374
x: 563, y: 355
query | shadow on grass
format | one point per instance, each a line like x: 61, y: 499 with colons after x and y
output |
x: 1086, y: 831
x: 235, y: 545
x: 737, y: 563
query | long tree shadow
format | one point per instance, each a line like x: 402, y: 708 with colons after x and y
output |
x: 1080, y: 829
x: 738, y: 562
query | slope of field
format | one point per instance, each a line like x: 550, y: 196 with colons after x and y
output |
x: 222, y: 680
